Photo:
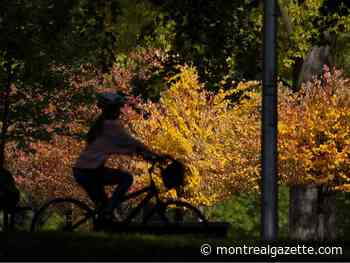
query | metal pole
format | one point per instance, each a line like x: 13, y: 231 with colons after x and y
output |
x: 269, y: 218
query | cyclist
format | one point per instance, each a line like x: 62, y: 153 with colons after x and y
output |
x: 107, y: 136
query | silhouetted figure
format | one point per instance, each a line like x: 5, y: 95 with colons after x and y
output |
x: 107, y: 136
x: 9, y: 194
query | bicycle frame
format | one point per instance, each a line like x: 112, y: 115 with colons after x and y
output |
x: 152, y: 192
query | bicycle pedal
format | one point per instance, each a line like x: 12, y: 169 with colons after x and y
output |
x: 119, y: 215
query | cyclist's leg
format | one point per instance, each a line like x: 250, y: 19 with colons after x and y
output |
x: 91, y: 181
x: 123, y: 179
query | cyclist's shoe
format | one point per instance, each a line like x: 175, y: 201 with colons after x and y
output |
x: 105, y: 220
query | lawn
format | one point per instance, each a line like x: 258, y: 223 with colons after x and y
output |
x: 58, y: 246
x: 23, y: 246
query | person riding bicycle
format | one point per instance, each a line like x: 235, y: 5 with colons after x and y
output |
x: 107, y: 136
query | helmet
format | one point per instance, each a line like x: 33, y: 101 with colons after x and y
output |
x: 110, y: 100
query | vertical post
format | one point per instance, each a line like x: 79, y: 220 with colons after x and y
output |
x: 269, y: 219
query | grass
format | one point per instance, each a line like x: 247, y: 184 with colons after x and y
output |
x: 99, y: 246
x: 242, y: 212
x: 23, y: 246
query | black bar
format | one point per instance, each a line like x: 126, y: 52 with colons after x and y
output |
x: 269, y: 219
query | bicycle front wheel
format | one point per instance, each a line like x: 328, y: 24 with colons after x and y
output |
x: 176, y: 213
x: 179, y: 212
x: 63, y: 214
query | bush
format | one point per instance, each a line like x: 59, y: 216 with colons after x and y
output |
x: 243, y: 212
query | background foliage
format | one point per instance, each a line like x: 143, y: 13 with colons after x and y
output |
x: 191, y: 68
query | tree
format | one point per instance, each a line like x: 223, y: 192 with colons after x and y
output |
x: 25, y: 44
x: 318, y: 148
x: 41, y: 50
x: 312, y: 31
x: 36, y: 38
x: 317, y: 27
x: 216, y: 37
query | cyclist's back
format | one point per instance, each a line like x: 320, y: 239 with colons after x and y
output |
x: 113, y: 139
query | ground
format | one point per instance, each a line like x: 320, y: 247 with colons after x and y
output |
x: 54, y: 246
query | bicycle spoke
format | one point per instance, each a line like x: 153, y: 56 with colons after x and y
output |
x: 178, y: 212
x: 2, y: 221
x: 19, y: 219
x: 63, y: 215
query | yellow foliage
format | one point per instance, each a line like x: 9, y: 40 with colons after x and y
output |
x: 220, y: 142
x: 314, y: 132
x: 206, y: 133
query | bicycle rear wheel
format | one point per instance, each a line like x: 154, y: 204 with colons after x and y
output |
x: 63, y: 214
x: 18, y: 219
x: 4, y: 220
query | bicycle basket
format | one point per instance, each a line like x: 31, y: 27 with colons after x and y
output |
x: 173, y: 175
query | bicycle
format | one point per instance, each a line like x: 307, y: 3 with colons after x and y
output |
x: 69, y: 214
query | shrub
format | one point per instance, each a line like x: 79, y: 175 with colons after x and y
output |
x: 205, y: 132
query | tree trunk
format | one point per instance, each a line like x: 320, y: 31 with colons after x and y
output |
x: 312, y: 208
x: 313, y: 63
x: 312, y: 213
